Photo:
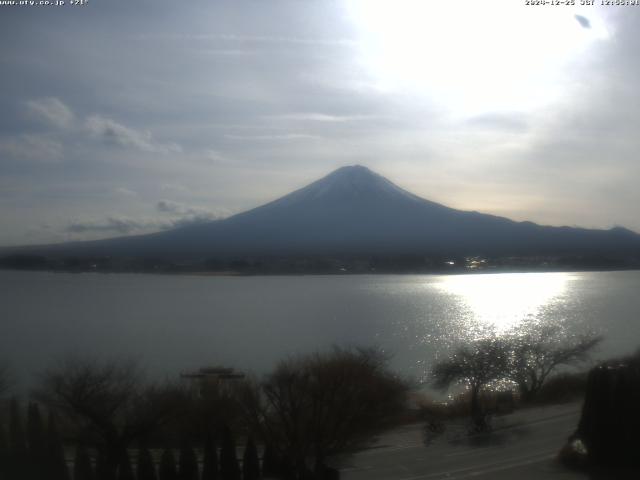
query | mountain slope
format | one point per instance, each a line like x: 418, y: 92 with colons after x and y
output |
x: 355, y: 211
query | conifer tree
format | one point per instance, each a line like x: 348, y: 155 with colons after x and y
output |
x: 56, y: 463
x: 4, y: 453
x: 3, y: 442
x: 188, y: 464
x: 229, y: 469
x: 286, y: 469
x: 82, y: 468
x: 17, y: 462
x: 167, y: 466
x: 36, y: 438
x: 125, y: 471
x: 210, y: 460
x: 146, y: 469
x: 270, y: 462
x: 17, y: 442
x: 103, y: 468
x: 250, y: 462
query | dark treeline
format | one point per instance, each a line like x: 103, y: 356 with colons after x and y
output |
x: 102, y: 420
x: 322, y: 264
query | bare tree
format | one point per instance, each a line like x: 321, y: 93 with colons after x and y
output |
x: 475, y: 365
x: 533, y: 356
x: 108, y: 401
x: 526, y: 359
x: 324, y: 404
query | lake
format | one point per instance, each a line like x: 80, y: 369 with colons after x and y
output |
x: 175, y: 323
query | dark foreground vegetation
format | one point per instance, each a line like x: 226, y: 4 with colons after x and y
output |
x: 500, y: 363
x: 100, y: 420
x: 606, y: 442
x: 116, y: 425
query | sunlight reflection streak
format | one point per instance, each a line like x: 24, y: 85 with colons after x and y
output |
x: 500, y: 302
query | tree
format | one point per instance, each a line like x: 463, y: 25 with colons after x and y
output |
x: 188, y: 464
x: 82, y: 469
x: 56, y: 464
x: 533, y: 356
x: 475, y: 366
x: 17, y: 440
x: 322, y: 404
x: 16, y: 453
x: 212, y: 404
x: 146, y: 469
x: 125, y: 470
x: 168, y: 469
x: 37, y: 442
x: 104, y: 471
x: 229, y: 469
x: 36, y: 435
x: 250, y: 461
x: 270, y: 462
x: 610, y: 418
x: 210, y: 460
x: 4, y: 455
x: 109, y: 401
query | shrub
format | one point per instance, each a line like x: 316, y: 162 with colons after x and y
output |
x: 168, y: 469
x: 82, y: 469
x: 210, y: 460
x: 146, y: 469
x: 610, y: 418
x: 250, y: 462
x: 229, y: 469
x: 188, y: 464
x: 323, y: 404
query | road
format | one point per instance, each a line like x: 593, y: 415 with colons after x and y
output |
x: 522, y: 446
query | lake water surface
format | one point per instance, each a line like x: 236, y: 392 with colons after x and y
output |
x: 175, y: 323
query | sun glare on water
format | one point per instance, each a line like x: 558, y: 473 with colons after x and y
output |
x: 499, y: 302
x: 471, y: 56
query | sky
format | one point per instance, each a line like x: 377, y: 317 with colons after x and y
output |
x: 122, y: 117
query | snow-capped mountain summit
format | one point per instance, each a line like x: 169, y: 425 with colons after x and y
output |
x: 356, y: 211
x: 350, y: 182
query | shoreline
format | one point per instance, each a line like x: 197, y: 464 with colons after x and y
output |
x: 238, y: 273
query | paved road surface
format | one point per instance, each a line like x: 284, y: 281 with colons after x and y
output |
x: 523, y: 446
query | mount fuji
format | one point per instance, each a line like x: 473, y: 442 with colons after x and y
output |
x: 354, y: 211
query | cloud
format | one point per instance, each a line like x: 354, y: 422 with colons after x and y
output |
x: 189, y: 213
x: 583, y: 21
x: 32, y: 147
x: 114, y: 133
x: 285, y: 96
x: 124, y: 192
x: 167, y: 206
x: 173, y: 188
x: 51, y: 111
x: 110, y: 225
x: 321, y: 117
x: 500, y: 121
x: 272, y: 137
x: 225, y: 52
x: 214, y: 156
x: 119, y: 225
x: 193, y: 219
x: 257, y: 39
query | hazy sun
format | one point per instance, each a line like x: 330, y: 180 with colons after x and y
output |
x: 474, y: 56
